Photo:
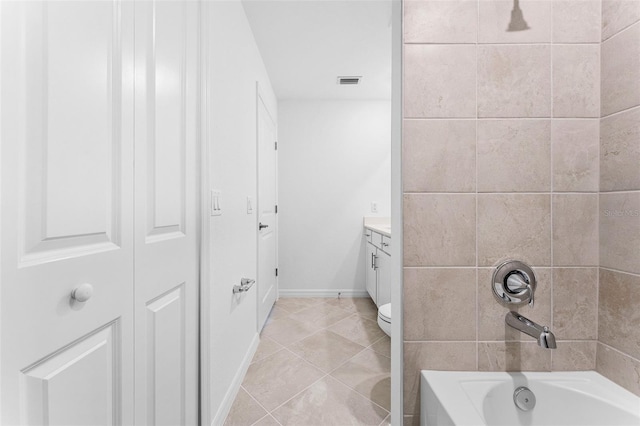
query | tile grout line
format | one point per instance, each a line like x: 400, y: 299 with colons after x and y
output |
x: 313, y: 383
x: 476, y: 193
x: 364, y: 348
x: 257, y: 402
x: 286, y: 347
x: 551, y: 176
x: 619, y: 271
x: 349, y: 360
x: 624, y: 354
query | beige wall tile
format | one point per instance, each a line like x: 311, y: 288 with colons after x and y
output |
x: 575, y: 303
x: 513, y: 356
x: 514, y: 155
x: 432, y: 356
x: 572, y: 356
x: 575, y: 145
x: 619, y: 368
x: 515, y: 226
x: 576, y: 80
x: 620, y: 231
x: 439, y: 230
x: 575, y: 229
x: 620, y: 151
x: 496, y: 23
x: 440, y: 304
x: 576, y: 21
x: 439, y: 155
x: 439, y: 81
x: 437, y: 21
x: 514, y: 81
x: 617, y: 15
x: 620, y: 71
x: 619, y: 316
x: 492, y: 312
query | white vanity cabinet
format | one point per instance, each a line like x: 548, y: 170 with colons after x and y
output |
x: 372, y: 272
x: 378, y: 266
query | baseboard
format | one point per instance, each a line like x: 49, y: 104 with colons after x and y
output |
x: 322, y: 293
x: 234, y: 387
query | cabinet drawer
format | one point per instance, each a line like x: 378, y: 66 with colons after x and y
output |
x: 385, y: 244
x: 368, y: 235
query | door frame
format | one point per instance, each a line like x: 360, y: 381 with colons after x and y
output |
x: 259, y: 99
x: 204, y: 125
x: 397, y: 337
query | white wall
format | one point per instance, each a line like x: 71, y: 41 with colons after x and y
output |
x: 334, y: 159
x: 234, y: 66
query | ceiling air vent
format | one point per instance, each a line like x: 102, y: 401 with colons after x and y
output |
x: 350, y: 80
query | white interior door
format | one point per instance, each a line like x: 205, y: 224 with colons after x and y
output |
x: 166, y: 219
x: 67, y: 212
x: 267, y: 221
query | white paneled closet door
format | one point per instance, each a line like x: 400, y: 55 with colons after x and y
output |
x: 166, y: 219
x: 98, y: 178
x: 66, y: 130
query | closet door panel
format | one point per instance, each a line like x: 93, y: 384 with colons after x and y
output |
x: 166, y: 220
x: 66, y: 167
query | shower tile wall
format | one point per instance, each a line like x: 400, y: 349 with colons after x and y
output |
x: 618, y: 352
x: 500, y: 160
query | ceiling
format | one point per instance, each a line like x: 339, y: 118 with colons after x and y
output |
x: 307, y: 44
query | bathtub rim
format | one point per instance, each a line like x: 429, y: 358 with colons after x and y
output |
x: 446, y: 388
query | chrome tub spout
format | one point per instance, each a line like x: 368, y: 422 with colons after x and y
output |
x: 542, y: 334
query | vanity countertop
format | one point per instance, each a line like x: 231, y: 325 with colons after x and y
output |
x: 381, y: 225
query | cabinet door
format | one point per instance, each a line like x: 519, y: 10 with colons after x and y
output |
x: 384, y: 278
x: 371, y: 276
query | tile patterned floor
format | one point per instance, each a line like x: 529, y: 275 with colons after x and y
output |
x: 321, y: 362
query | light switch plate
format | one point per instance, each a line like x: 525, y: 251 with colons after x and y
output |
x: 249, y: 205
x: 215, y: 208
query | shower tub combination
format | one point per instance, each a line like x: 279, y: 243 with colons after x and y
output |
x: 584, y: 398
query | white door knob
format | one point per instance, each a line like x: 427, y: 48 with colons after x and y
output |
x: 82, y: 293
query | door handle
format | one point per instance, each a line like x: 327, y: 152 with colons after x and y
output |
x: 261, y: 226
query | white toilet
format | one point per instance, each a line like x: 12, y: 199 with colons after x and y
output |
x: 384, y: 318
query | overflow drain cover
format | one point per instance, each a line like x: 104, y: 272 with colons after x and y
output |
x: 524, y: 399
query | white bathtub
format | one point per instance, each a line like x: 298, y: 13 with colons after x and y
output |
x: 583, y: 398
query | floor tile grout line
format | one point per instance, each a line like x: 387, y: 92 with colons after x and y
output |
x: 264, y: 417
x: 384, y: 420
x: 332, y: 370
x: 268, y: 356
x: 361, y: 394
x: 351, y: 314
x: 364, y: 348
x: 325, y: 375
x: 296, y: 395
x: 257, y: 402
